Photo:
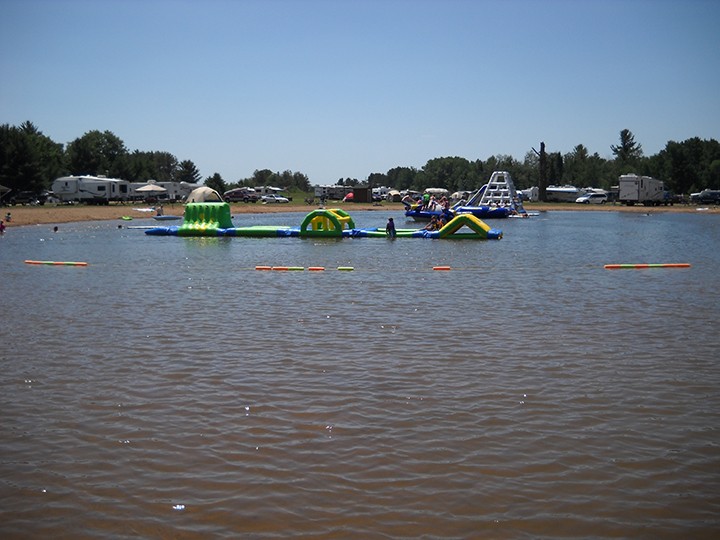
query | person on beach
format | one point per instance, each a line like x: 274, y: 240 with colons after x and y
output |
x: 390, y: 228
x: 2, y: 227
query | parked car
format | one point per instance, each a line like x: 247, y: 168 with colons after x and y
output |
x: 274, y: 199
x: 706, y: 196
x: 244, y: 194
x: 28, y: 197
x: 592, y: 198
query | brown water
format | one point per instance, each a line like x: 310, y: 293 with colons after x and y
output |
x: 169, y: 390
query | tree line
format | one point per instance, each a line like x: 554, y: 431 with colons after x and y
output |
x: 685, y: 167
x: 30, y: 161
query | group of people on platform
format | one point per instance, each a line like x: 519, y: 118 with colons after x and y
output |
x: 431, y: 203
x: 436, y: 223
x: 427, y: 202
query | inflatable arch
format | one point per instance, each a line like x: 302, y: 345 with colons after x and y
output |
x: 478, y: 228
x: 326, y: 223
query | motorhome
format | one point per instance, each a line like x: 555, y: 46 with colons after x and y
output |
x: 91, y: 189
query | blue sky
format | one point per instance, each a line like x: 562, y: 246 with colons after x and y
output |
x: 337, y: 89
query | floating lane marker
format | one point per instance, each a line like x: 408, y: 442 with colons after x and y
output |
x: 58, y: 263
x: 288, y: 268
x: 299, y: 268
x: 649, y: 265
x: 445, y: 268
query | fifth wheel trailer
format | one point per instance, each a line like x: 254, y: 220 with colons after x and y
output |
x: 91, y: 189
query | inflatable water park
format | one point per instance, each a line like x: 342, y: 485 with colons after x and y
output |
x: 496, y: 199
x: 214, y: 219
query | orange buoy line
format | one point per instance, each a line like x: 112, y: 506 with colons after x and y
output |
x: 58, y: 263
x: 340, y: 268
x: 294, y: 268
x: 646, y: 265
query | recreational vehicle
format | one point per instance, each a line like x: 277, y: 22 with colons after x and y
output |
x: 641, y: 190
x: 91, y: 189
x: 562, y: 193
x: 334, y: 192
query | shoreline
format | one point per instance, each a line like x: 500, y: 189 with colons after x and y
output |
x: 56, y: 214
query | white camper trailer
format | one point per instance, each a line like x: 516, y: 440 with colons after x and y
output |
x: 91, y: 189
x: 334, y: 192
x: 644, y: 190
x: 562, y: 193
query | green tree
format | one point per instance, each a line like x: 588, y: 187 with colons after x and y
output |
x: 529, y: 172
x: 96, y: 153
x: 216, y: 182
x: 29, y: 161
x: 187, y: 172
x: 165, y: 166
x: 575, y: 170
x: 50, y: 153
x: 19, y: 161
x: 628, y: 152
x: 262, y: 177
x: 141, y: 166
x: 451, y: 173
x: 377, y: 179
x: 691, y: 165
x: 301, y: 181
x: 556, y: 167
x: 401, y: 177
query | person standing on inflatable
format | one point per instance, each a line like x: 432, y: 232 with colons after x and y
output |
x: 390, y: 228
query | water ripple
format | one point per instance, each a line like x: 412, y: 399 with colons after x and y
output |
x: 528, y: 393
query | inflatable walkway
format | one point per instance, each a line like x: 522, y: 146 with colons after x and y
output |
x: 213, y: 219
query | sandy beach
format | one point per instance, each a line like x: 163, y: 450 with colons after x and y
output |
x: 57, y: 214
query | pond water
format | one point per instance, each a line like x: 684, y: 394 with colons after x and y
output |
x: 170, y: 390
